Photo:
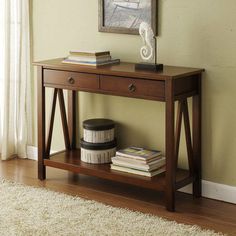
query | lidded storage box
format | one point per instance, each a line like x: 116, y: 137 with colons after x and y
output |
x: 98, y: 145
x: 97, y: 153
x: 98, y: 130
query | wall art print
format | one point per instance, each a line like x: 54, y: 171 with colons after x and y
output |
x: 125, y: 16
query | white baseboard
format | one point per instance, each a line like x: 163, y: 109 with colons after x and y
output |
x: 215, y: 191
x: 211, y: 190
x: 32, y: 153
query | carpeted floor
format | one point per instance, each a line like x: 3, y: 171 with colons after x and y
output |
x: 26, y: 211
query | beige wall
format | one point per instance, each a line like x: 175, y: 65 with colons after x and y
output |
x: 191, y: 33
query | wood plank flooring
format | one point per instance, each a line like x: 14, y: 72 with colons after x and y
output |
x: 209, y: 214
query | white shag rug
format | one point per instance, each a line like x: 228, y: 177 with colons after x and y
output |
x: 33, y: 211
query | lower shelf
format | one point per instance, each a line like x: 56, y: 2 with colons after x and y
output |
x: 70, y: 160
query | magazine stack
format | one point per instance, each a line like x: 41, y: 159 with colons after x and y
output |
x: 139, y: 161
x: 90, y: 58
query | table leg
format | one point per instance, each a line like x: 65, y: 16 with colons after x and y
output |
x: 197, y: 186
x: 170, y: 147
x: 72, y: 117
x: 41, y: 125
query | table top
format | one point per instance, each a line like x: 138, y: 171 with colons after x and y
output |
x: 122, y: 69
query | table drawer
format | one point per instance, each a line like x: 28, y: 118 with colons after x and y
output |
x: 140, y: 88
x: 71, y: 80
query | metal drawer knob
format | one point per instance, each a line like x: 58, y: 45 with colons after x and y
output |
x: 132, y: 88
x: 71, y: 80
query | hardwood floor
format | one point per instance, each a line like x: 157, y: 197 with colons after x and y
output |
x: 209, y: 214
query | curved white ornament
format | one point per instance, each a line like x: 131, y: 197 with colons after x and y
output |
x: 147, y: 51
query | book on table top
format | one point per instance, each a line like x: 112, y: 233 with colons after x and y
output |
x: 144, y: 167
x: 138, y: 172
x: 89, y: 58
x: 138, y: 153
x: 92, y: 63
x: 90, y: 53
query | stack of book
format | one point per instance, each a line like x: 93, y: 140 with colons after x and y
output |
x: 90, y: 58
x: 139, y: 161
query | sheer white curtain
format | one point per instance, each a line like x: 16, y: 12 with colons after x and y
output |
x: 15, y: 82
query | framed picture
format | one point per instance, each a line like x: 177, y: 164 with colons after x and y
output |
x: 125, y: 16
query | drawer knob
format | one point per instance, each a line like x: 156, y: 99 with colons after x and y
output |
x: 132, y: 88
x: 71, y: 80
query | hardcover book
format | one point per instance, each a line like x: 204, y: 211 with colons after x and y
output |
x: 138, y: 153
x: 90, y: 53
x: 89, y: 58
x: 144, y: 167
x: 91, y: 63
x: 132, y: 160
x: 138, y: 172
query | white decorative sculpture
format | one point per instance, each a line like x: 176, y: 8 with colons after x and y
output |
x: 148, y: 51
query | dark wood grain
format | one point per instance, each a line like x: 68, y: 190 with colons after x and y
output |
x: 64, y: 119
x: 197, y: 186
x: 184, y: 85
x: 72, y: 104
x: 123, y: 69
x: 41, y: 125
x: 51, y: 122
x: 70, y: 160
x: 188, y: 135
x: 131, y: 87
x: 170, y: 146
x: 71, y: 80
x: 178, y: 131
x: 169, y: 85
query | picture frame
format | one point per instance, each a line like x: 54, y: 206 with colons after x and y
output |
x: 125, y: 16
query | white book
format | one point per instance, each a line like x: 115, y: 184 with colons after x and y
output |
x: 112, y: 61
x: 142, y: 167
x: 89, y: 59
x: 149, y: 162
x: 138, y: 172
x: 89, y: 52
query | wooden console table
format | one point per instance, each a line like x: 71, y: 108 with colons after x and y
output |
x: 173, y: 84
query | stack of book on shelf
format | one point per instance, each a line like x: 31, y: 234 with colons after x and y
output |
x: 90, y: 58
x: 139, y: 161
